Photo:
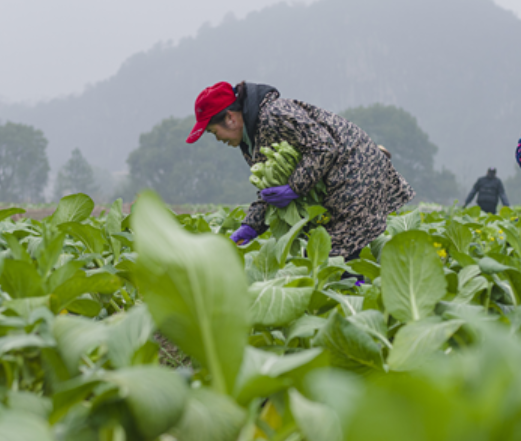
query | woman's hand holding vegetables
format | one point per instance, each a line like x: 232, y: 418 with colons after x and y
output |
x: 280, y: 196
x: 244, y: 234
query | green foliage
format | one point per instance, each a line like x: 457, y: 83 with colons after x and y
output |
x: 24, y: 167
x: 412, y: 151
x: 195, y: 290
x: 76, y: 176
x: 281, y: 348
x: 204, y: 172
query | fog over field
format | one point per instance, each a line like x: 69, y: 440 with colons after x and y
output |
x: 57, y: 47
x: 95, y: 75
x: 54, y: 48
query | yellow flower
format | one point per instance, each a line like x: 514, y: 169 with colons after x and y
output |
x: 502, y: 237
x: 492, y: 239
x: 442, y: 253
x: 437, y: 245
x: 478, y: 231
x: 500, y: 231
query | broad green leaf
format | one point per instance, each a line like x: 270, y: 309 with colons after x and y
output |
x: 264, y: 264
x: 506, y: 287
x: 469, y: 284
x: 513, y: 236
x: 17, y: 250
x: 406, y: 222
x: 350, y: 347
x: 474, y: 211
x: 467, y: 274
x: 291, y: 215
x: 18, y: 342
x: 113, y: 225
x: 342, y: 285
x: 491, y: 266
x: 285, y: 242
x: 317, y: 421
x: 459, y: 235
x: 85, y: 307
x: 127, y: 239
x: 279, y: 301
x: 470, y: 289
x: 319, y: 247
x: 415, y: 342
x: 378, y: 244
x: 291, y: 270
x: 305, y: 327
x: 62, y: 274
x: 17, y: 425
x: 25, y: 306
x: 8, y: 212
x: 8, y: 323
x: 48, y: 253
x: 90, y: 236
x: 351, y: 305
x: 127, y: 336
x: 209, y: 416
x: 29, y: 402
x: 339, y: 390
x: 195, y: 289
x: 77, y: 337
x: 367, y: 268
x: 263, y: 373
x: 462, y: 258
x: 73, y: 208
x: 412, y: 276
x: 21, y: 279
x: 70, y: 393
x: 80, y: 283
x: 155, y: 396
x: 372, y: 322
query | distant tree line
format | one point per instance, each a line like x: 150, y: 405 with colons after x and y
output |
x: 412, y: 151
x: 208, y: 171
x: 24, y: 167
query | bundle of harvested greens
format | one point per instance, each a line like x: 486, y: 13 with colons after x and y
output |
x: 281, y: 162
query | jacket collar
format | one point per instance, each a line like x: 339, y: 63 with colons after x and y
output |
x: 255, y: 95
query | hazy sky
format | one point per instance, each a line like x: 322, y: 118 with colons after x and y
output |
x: 50, y: 48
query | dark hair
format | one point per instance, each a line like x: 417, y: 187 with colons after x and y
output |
x: 240, y: 93
x: 491, y: 172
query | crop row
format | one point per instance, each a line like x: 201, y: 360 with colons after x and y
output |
x: 279, y: 346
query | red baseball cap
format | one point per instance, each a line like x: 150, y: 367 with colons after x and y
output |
x: 209, y: 103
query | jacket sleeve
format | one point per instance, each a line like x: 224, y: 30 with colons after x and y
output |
x: 256, y: 215
x: 319, y: 150
x: 503, y: 195
x: 472, y: 193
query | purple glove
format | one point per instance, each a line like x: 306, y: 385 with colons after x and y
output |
x: 279, y: 196
x: 245, y: 233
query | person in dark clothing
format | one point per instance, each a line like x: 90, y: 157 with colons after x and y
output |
x: 489, y: 188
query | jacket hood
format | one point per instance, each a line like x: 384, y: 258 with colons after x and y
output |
x: 255, y: 94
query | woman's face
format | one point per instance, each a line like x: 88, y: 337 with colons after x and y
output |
x: 230, y: 132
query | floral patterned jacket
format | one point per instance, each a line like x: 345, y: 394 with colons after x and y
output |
x: 363, y: 187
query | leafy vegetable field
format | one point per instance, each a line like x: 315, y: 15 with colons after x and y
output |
x: 260, y: 342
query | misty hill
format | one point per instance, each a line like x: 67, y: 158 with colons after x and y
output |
x: 454, y: 64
